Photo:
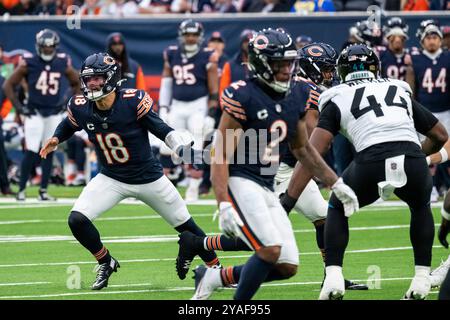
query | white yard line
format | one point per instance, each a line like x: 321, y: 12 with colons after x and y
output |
x: 173, y: 259
x: 82, y: 293
x: 22, y: 284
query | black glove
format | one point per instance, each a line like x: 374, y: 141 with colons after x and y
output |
x: 287, y: 202
x: 443, y: 231
x: 26, y: 111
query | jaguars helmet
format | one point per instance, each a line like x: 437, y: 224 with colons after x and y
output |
x: 100, y: 64
x: 358, y: 61
x: 367, y: 33
x: 190, y: 26
x: 267, y: 47
x: 314, y: 59
x: 46, y: 38
x: 395, y: 27
x: 427, y: 27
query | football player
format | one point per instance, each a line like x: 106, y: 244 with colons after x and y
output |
x: 117, y: 121
x: 189, y: 91
x: 394, y: 58
x: 43, y: 73
x: 302, y: 41
x: 429, y: 78
x: 381, y: 119
x: 261, y: 118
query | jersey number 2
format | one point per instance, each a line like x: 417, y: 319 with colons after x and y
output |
x: 374, y: 105
x: 113, y: 148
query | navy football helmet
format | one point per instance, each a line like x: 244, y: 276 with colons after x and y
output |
x: 100, y: 64
x: 395, y: 27
x: 427, y: 27
x: 266, y: 49
x: 314, y: 60
x: 358, y: 61
x: 190, y: 27
x: 367, y: 33
x: 47, y: 42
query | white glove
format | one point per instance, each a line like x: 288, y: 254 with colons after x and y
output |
x: 164, y: 113
x: 229, y: 220
x: 208, y: 125
x: 347, y: 196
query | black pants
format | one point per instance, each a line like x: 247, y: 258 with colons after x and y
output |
x: 4, y: 183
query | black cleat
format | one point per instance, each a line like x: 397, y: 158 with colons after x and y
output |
x: 104, y: 271
x: 186, y: 253
x: 199, y: 273
x: 44, y: 196
x: 349, y: 285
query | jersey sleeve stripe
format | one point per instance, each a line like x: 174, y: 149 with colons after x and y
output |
x: 144, y: 106
x: 233, y: 102
x: 71, y: 117
x: 235, y: 114
x: 233, y: 108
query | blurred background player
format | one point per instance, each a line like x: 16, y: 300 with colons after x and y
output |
x: 446, y: 40
x: 189, y: 93
x: 5, y: 188
x: 44, y: 73
x: 302, y: 41
x: 394, y: 57
x: 429, y: 79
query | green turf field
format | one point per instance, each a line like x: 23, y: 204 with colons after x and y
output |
x: 39, y: 259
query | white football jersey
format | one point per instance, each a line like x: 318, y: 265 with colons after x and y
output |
x: 373, y: 111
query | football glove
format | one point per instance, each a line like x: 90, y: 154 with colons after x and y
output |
x: 443, y: 231
x: 229, y: 220
x: 347, y: 196
x: 287, y: 202
x: 164, y: 113
x: 208, y: 124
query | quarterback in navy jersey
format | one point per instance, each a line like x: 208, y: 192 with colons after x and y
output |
x: 394, y: 57
x: 117, y: 123
x: 261, y: 119
x: 189, y: 92
x: 43, y: 72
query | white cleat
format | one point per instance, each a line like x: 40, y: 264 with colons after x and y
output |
x: 334, y: 284
x: 420, y: 287
x: 207, y: 280
x: 192, y: 190
x: 437, y: 276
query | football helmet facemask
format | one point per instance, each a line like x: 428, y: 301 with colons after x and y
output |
x: 100, y: 64
x: 47, y: 42
x: 268, y: 49
x: 395, y: 27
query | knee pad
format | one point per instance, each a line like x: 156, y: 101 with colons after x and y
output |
x: 77, y: 219
x: 286, y: 270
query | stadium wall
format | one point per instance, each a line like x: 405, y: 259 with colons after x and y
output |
x: 148, y: 35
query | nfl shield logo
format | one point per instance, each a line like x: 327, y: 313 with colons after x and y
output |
x: 393, y: 166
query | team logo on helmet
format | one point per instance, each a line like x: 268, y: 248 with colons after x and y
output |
x: 315, y: 51
x: 261, y: 42
x: 108, y: 60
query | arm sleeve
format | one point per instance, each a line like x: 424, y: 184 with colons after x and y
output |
x: 424, y: 120
x: 330, y: 118
x: 65, y: 130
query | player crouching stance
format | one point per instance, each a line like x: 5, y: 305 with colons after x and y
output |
x: 117, y: 122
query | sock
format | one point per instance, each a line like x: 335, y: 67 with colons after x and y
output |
x: 223, y: 243
x: 320, y: 239
x: 28, y: 161
x: 421, y: 233
x: 86, y: 234
x: 46, y: 165
x: 230, y: 275
x: 336, y: 237
x: 209, y: 257
x: 253, y: 273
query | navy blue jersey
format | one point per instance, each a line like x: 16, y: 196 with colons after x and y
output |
x: 268, y: 125
x: 121, y: 137
x: 44, y: 78
x: 190, y: 75
x: 393, y: 65
x: 310, y: 100
x: 432, y: 80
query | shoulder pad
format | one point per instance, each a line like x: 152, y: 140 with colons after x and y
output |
x: 28, y: 55
x: 233, y: 100
x: 327, y: 95
x: 61, y: 55
x: 402, y: 84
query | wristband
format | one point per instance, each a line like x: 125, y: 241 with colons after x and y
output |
x: 428, y: 160
x: 214, y: 96
x: 444, y: 155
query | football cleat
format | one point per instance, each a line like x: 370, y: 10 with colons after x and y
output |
x: 104, y: 271
x: 186, y: 253
x: 207, y: 280
x: 437, y: 276
x: 44, y: 196
x: 419, y: 288
x: 333, y: 286
x: 350, y: 285
x: 20, y: 196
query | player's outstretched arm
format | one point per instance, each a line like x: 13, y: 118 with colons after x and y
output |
x: 50, y: 146
x: 63, y: 132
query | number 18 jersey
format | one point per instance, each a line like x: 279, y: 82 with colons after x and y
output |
x: 372, y: 111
